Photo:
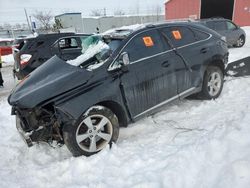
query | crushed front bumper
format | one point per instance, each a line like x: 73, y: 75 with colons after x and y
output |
x: 24, y: 135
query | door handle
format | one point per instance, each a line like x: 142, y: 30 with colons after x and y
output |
x: 165, y: 64
x: 204, y: 50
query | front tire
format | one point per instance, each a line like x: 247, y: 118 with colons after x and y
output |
x: 240, y: 42
x: 212, y: 83
x: 96, y: 129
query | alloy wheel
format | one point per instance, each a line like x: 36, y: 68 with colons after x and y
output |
x: 214, y: 84
x: 94, y: 133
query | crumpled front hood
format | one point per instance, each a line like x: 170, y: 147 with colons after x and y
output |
x: 49, y: 80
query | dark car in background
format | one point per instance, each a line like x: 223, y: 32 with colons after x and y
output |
x: 30, y: 53
x: 235, y: 36
x: 122, y: 76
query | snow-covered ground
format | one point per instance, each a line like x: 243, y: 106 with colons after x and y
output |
x: 191, y: 144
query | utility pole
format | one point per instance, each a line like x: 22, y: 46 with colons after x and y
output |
x: 27, y: 20
x: 104, y: 10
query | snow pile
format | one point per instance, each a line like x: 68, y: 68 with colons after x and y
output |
x: 6, y: 39
x: 8, y: 60
x: 129, y: 28
x: 191, y: 144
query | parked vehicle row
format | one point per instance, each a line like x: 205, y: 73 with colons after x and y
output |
x: 120, y: 77
x: 235, y: 36
x: 32, y: 52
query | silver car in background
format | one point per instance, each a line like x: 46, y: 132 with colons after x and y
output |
x: 235, y: 35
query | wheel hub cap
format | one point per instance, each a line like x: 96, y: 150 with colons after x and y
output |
x: 94, y: 133
x: 214, y: 84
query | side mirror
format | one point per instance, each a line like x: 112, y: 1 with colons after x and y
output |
x: 124, y: 59
x: 121, y: 63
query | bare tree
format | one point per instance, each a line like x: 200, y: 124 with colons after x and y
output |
x: 96, y: 12
x: 158, y: 11
x: 44, y: 18
x: 18, y: 26
x: 119, y: 12
x: 57, y: 25
x: 7, y: 26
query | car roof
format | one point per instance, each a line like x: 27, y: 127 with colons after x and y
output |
x: 124, y: 32
x: 213, y: 19
x: 59, y: 35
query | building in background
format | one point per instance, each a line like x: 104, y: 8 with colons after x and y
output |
x: 92, y: 24
x: 235, y: 10
x: 73, y: 22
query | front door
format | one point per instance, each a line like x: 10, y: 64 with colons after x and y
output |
x: 150, y: 79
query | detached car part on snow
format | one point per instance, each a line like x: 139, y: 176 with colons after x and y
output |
x: 121, y: 76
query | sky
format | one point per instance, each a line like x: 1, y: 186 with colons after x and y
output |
x: 12, y: 11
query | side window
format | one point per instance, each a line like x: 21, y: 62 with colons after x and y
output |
x: 220, y: 26
x: 144, y: 45
x: 231, y: 26
x: 199, y: 35
x: 66, y: 43
x: 179, y: 35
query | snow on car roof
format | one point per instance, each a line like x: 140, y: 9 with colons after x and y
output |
x: 6, y: 39
x: 128, y: 28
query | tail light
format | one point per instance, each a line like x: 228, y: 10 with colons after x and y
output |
x: 24, y: 59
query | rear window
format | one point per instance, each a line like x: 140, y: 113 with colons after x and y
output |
x: 220, y: 26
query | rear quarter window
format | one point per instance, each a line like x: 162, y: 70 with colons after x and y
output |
x: 200, y: 35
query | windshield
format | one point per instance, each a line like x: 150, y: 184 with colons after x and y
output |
x: 95, y: 51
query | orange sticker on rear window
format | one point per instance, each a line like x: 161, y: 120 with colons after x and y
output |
x: 176, y: 34
x: 148, y: 41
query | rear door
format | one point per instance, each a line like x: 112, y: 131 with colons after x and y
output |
x: 192, y: 47
x: 150, y: 80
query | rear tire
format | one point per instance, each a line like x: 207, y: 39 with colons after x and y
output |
x: 95, y: 129
x: 212, y: 83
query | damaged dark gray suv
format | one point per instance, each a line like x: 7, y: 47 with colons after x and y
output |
x: 121, y: 76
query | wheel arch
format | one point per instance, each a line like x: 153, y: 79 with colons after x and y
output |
x: 117, y: 110
x: 218, y: 63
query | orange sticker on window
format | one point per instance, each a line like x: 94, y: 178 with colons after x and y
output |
x: 148, y: 41
x: 176, y: 34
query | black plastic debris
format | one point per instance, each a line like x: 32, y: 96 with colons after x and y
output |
x: 239, y: 68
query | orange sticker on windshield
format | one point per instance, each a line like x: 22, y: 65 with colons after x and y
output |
x: 148, y: 41
x: 176, y: 34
